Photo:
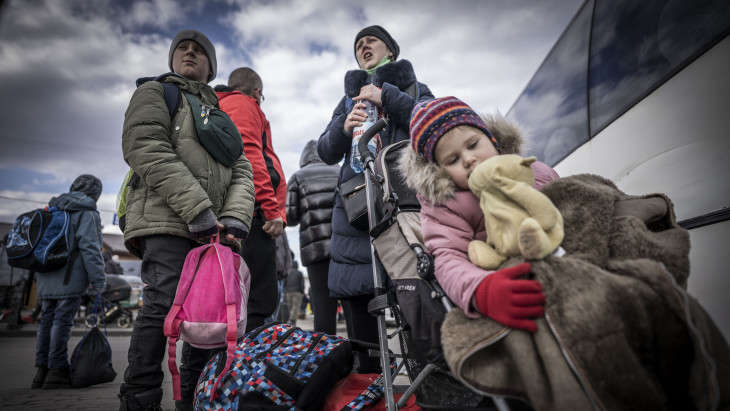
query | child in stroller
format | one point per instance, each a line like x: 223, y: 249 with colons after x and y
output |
x: 577, y: 369
x: 397, y: 232
x: 117, y: 289
x: 449, y: 139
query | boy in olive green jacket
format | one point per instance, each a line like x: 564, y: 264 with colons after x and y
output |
x: 182, y: 197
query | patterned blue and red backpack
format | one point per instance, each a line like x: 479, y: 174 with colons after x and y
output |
x: 282, y: 367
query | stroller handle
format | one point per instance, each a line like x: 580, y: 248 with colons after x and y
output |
x: 362, y: 145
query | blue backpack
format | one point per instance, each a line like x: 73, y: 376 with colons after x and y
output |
x: 38, y: 241
x: 282, y: 367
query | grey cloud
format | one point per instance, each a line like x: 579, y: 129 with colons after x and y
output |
x: 70, y: 66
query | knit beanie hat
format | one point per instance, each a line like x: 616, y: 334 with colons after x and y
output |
x: 204, y: 42
x: 87, y: 184
x: 379, y: 32
x: 431, y: 119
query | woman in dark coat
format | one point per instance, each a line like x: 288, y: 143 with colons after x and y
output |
x: 391, y: 85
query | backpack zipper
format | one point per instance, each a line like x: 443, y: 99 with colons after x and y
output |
x: 299, y: 361
x: 278, y: 343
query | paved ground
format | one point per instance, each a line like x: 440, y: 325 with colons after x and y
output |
x: 17, y: 354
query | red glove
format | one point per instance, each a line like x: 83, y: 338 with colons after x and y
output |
x: 509, y: 301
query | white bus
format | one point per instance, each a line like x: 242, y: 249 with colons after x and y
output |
x: 639, y: 92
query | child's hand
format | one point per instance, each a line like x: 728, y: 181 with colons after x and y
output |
x: 509, y: 301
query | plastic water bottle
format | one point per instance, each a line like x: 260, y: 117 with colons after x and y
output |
x: 372, y: 112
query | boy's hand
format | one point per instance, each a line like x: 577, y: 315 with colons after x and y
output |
x: 235, y: 229
x: 509, y: 301
x: 204, y: 225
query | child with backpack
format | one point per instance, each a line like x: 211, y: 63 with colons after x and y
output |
x: 61, y: 299
x: 449, y: 139
x: 183, y: 193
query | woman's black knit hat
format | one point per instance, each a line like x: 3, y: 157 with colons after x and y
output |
x: 379, y: 32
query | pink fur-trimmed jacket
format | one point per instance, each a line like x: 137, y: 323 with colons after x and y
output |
x: 451, y: 217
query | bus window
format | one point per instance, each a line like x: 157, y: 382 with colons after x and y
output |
x: 637, y: 45
x: 553, y: 106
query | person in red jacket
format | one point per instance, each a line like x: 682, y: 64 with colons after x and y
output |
x: 241, y: 100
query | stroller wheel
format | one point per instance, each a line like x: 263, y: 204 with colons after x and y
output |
x: 124, y: 321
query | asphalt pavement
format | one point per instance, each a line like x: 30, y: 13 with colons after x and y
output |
x: 17, y: 359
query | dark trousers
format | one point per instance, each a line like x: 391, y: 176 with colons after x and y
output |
x: 361, y: 325
x: 162, y: 263
x: 191, y: 366
x: 259, y: 253
x: 325, y: 308
x: 54, y: 331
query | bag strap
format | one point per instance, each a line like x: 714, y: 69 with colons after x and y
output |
x: 67, y: 277
x: 227, y: 269
x: 172, y: 360
x: 171, y: 326
x: 414, y: 90
x: 171, y: 93
x: 172, y: 98
x: 74, y: 252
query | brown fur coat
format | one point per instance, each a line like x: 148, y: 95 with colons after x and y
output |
x: 620, y: 331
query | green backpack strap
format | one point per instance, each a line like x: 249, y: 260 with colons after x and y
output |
x: 172, y: 95
x: 172, y: 98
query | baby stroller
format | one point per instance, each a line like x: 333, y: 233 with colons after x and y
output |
x: 418, y: 302
x: 117, y: 289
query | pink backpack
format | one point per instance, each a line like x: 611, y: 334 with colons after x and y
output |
x: 209, y: 310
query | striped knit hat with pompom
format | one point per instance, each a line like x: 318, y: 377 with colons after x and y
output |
x: 431, y: 119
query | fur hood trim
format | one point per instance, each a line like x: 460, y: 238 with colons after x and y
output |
x: 398, y: 73
x: 431, y: 181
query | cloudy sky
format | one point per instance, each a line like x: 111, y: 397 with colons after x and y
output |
x: 68, y: 69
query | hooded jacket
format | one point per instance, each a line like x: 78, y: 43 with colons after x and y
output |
x: 283, y: 256
x: 179, y: 179
x: 350, y: 267
x: 310, y: 198
x: 294, y: 282
x: 451, y: 217
x: 87, y: 267
x: 268, y: 176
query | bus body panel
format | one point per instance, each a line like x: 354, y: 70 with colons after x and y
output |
x: 675, y: 141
